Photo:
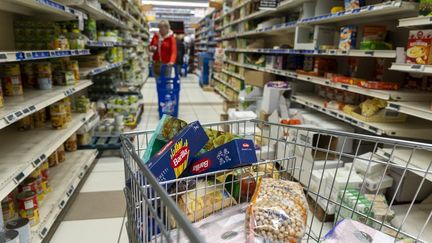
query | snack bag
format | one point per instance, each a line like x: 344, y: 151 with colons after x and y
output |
x: 166, y: 129
x: 217, y: 138
x: 277, y: 213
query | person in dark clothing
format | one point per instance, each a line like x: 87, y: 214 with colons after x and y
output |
x: 181, y: 51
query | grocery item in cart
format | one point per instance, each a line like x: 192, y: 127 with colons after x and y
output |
x: 166, y: 129
x: 173, y: 159
x: 237, y: 153
x: 217, y: 138
x: 277, y: 213
x: 204, y: 200
x: 351, y: 231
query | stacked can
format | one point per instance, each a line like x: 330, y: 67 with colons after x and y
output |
x: 44, y: 75
x: 53, y: 159
x: 58, y: 115
x: 8, y: 207
x: 28, y: 206
x: 68, y: 107
x: 44, y: 175
x: 28, y: 74
x: 61, y: 154
x: 11, y: 79
x: 22, y: 226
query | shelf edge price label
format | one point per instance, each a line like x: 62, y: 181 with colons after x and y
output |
x: 70, y: 191
x: 62, y: 204
x: 18, y: 178
x: 417, y: 67
x: 10, y: 118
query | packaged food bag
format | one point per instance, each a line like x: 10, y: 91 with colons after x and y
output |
x: 166, y: 129
x: 277, y: 212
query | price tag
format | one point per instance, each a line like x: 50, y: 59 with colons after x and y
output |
x: 43, y: 157
x: 18, y: 114
x: 394, y: 106
x: 62, y: 204
x: 26, y: 110
x: 43, y: 232
x: 10, y: 118
x: 36, y: 162
x: 32, y: 108
x: 70, y: 191
x: 19, y: 177
x: 369, y: 53
x: 28, y: 55
x: 373, y: 129
x: 344, y: 86
x: 3, y: 56
x: 333, y: 113
x: 417, y: 67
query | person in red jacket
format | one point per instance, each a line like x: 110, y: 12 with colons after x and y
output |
x: 164, y: 47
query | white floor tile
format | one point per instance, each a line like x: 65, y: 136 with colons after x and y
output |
x: 89, y: 231
x: 104, y: 181
x: 109, y: 164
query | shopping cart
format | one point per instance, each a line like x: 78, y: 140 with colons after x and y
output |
x: 168, y: 89
x: 154, y: 215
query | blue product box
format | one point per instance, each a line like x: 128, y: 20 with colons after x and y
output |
x: 237, y: 153
x: 173, y: 159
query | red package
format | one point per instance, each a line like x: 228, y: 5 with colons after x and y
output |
x: 379, y: 85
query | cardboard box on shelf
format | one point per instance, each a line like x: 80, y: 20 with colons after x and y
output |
x: 257, y: 78
x: 91, y: 60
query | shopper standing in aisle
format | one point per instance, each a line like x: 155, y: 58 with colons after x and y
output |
x: 180, y: 51
x: 164, y: 47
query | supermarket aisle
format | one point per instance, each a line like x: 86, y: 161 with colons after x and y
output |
x: 97, y: 214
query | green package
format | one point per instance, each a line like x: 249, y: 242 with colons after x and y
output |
x: 166, y: 129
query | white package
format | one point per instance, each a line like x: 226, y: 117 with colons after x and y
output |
x: 344, y: 178
x: 352, y: 231
x: 372, y: 182
x: 362, y: 162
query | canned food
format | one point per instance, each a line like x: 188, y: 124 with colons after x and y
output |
x: 44, y: 171
x: 1, y: 97
x: 29, y: 185
x: 26, y: 123
x: 31, y: 214
x: 39, y: 119
x: 21, y: 225
x: 36, y: 173
x: 27, y: 200
x: 68, y: 107
x: 71, y: 143
x: 53, y: 160
x: 74, y: 67
x: 58, y: 120
x: 46, y: 187
x: 28, y: 74
x: 8, y: 208
x: 57, y: 107
x: 61, y: 155
x: 11, y: 79
x: 9, y: 236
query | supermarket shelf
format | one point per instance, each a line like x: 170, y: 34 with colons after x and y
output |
x: 14, y: 56
x: 413, y: 128
x: 105, y: 44
x: 100, y: 15
x: 223, y: 94
x: 38, y: 8
x: 421, y: 109
x: 85, y: 72
x: 225, y: 83
x: 233, y: 74
x: 401, y: 95
x: 415, y: 21
x: 370, y: 13
x: 64, y: 179
x: 273, y: 30
x: 334, y: 52
x: 412, y: 68
x: 22, y: 152
x: 33, y: 100
x: 122, y: 12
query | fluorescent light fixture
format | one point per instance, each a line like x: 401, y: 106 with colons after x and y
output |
x: 176, y: 4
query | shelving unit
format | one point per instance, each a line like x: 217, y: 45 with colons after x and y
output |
x: 64, y: 179
x: 24, y: 151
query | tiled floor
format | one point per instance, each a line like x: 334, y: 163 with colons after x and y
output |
x: 97, y: 214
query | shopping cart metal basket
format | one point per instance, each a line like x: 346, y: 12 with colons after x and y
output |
x: 295, y: 153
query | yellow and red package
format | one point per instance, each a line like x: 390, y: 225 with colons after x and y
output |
x: 379, y: 85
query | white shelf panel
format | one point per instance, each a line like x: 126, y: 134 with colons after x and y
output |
x: 14, y: 56
x: 85, y: 72
x: 33, y: 100
x: 349, y: 53
x: 279, y: 29
x: 225, y: 83
x: 370, y: 13
x: 104, y: 44
x: 101, y: 15
x: 412, y: 68
x: 421, y: 109
x: 22, y: 152
x: 415, y: 21
x: 42, y: 8
x: 235, y: 75
x: 234, y: 9
x: 418, y: 163
x: 63, y: 179
x: 401, y: 95
x: 413, y: 128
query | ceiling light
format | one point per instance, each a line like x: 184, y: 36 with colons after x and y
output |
x: 174, y: 4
